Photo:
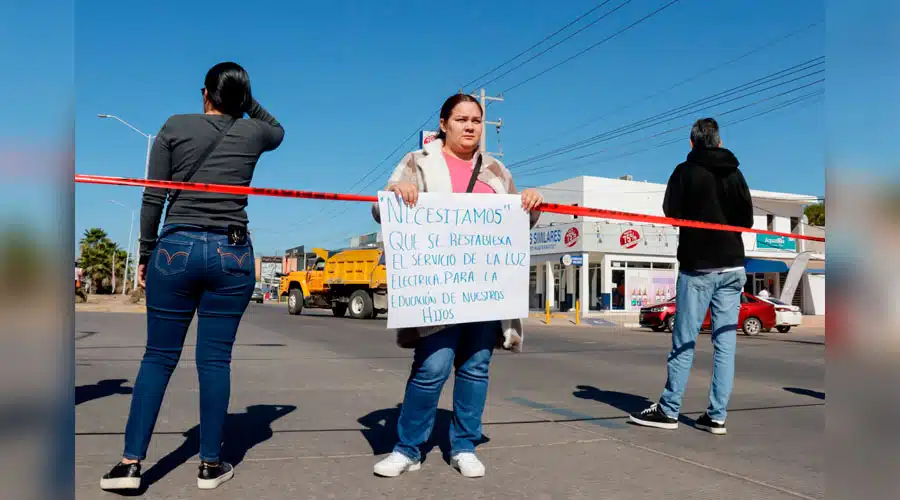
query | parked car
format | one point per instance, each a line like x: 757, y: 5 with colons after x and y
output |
x: 786, y: 315
x: 755, y: 317
x: 257, y: 295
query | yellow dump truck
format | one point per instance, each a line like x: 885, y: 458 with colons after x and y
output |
x: 353, y: 280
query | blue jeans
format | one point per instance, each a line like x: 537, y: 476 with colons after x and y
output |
x: 190, y: 270
x: 467, y: 346
x: 720, y: 294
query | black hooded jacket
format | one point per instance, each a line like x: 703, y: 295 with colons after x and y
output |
x: 708, y: 187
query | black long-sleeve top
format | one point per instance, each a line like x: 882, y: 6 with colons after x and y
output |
x: 179, y: 144
x: 708, y: 187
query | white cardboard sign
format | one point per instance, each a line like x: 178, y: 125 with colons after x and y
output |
x: 455, y: 258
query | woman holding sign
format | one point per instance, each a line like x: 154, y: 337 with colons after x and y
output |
x: 451, y: 164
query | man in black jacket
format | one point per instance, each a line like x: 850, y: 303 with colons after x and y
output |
x: 708, y: 187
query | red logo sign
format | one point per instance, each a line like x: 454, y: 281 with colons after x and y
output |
x: 630, y: 238
x: 429, y: 138
x: 571, y: 237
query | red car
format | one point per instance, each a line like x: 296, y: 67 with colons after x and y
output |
x: 755, y: 317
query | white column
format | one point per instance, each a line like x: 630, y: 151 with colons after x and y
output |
x: 584, y: 294
x: 548, y: 296
x: 538, y: 267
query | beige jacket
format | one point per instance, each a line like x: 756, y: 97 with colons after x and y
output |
x: 427, y: 169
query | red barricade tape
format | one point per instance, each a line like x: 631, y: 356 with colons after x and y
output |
x: 314, y: 195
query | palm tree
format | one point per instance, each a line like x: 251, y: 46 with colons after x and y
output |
x: 96, y: 257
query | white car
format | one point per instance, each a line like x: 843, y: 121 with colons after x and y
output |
x: 786, y: 315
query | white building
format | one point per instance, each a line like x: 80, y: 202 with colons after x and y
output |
x: 626, y: 265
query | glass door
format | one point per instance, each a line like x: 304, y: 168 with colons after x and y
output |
x: 618, y: 291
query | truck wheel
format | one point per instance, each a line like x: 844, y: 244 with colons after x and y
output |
x: 295, y: 301
x: 339, y: 309
x: 783, y: 329
x: 361, y: 305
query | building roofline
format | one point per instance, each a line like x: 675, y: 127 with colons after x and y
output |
x: 802, y: 199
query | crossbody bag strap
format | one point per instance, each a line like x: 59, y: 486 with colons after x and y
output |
x: 475, y: 172
x: 199, y: 163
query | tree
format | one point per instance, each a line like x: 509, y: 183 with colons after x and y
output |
x: 816, y: 214
x: 97, y: 260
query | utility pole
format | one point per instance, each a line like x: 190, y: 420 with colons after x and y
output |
x: 483, y: 98
x: 115, y: 249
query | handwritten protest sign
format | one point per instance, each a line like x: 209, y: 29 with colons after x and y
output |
x: 455, y: 258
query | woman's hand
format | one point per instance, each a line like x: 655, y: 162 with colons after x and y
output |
x: 531, y: 198
x: 142, y: 275
x: 407, y: 191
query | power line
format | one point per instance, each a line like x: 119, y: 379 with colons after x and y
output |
x: 548, y: 49
x: 694, y: 77
x: 560, y: 30
x: 690, y: 108
x: 544, y: 168
x: 782, y: 105
x: 740, y: 88
x: 433, y: 114
x: 374, y: 169
x: 601, y: 42
x: 564, y: 27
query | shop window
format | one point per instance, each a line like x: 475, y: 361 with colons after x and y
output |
x: 663, y: 265
x: 795, y: 225
x: 639, y: 265
x: 770, y: 222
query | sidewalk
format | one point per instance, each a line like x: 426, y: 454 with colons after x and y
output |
x: 624, y: 320
x: 111, y: 303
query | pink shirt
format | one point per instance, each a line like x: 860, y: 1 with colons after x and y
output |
x: 461, y: 172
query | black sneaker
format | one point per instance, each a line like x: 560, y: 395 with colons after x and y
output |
x: 654, y: 417
x: 211, y: 476
x: 706, y: 423
x: 122, y: 477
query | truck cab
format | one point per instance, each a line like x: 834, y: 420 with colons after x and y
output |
x: 350, y: 280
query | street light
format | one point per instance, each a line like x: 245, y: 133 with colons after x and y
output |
x: 128, y: 255
x: 146, y: 176
x: 132, y: 127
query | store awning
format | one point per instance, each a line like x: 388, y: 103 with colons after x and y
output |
x: 765, y: 266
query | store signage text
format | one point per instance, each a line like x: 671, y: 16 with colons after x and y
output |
x: 426, y: 136
x: 571, y: 237
x: 771, y: 242
x: 630, y: 238
x: 545, y: 240
x: 572, y: 260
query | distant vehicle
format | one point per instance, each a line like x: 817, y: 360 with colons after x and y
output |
x: 756, y: 316
x: 257, y: 295
x: 351, y: 280
x: 786, y: 315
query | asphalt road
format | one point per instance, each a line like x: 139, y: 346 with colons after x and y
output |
x: 314, y: 402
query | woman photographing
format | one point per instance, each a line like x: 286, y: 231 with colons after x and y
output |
x: 451, y: 164
x: 201, y: 262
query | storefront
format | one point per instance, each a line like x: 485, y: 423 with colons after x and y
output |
x: 607, y: 266
x: 620, y: 266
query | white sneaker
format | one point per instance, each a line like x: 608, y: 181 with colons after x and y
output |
x: 396, y: 464
x: 468, y: 464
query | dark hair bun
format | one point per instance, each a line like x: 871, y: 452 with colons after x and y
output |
x: 228, y: 89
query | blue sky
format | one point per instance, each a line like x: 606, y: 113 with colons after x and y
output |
x: 350, y: 80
